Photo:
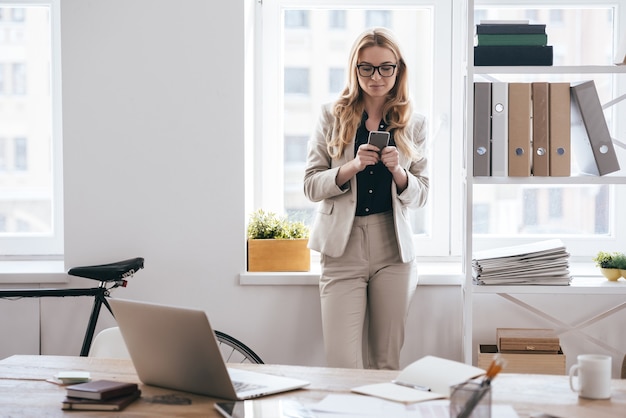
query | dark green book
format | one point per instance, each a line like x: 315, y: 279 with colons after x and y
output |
x: 513, y: 55
x: 538, y: 39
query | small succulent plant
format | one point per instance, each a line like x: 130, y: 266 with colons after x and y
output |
x: 610, y: 260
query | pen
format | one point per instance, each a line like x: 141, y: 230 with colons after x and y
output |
x: 412, y: 386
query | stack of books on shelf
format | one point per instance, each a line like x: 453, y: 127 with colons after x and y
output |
x: 511, y: 43
x: 101, y: 395
x: 526, y: 129
x: 539, y: 263
x: 525, y: 350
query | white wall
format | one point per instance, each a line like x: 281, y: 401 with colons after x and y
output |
x: 153, y: 118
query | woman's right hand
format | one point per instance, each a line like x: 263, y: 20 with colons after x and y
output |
x: 366, y: 155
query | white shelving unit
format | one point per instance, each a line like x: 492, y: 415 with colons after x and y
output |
x: 580, y: 285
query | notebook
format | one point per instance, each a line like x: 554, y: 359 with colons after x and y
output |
x: 176, y: 348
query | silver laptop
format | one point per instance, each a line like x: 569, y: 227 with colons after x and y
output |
x: 176, y: 348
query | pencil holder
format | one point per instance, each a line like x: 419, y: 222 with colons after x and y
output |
x: 470, y: 400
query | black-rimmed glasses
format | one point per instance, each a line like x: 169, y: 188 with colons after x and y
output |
x: 367, y: 70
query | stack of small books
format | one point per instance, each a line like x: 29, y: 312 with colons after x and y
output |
x: 101, y: 395
x: 539, y: 263
x: 512, y: 43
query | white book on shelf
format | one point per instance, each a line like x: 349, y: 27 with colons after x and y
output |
x: 499, y: 129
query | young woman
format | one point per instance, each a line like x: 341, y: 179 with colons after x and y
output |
x: 362, y: 227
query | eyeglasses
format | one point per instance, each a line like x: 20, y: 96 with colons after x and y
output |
x: 367, y: 70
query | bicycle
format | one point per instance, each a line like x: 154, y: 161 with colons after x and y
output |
x: 111, y: 276
x: 234, y: 350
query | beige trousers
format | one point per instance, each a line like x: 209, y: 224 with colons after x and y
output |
x: 365, y: 297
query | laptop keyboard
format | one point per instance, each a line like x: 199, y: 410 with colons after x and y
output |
x: 245, y: 386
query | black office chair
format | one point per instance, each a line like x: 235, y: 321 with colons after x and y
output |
x: 624, y: 368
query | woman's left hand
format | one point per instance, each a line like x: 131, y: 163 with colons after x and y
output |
x: 390, y: 157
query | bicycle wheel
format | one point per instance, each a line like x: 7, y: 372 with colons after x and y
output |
x: 234, y: 351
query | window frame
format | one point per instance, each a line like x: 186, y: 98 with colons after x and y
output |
x: 46, y: 246
x: 267, y: 136
x: 448, y: 191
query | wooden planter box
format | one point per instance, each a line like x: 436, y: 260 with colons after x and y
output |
x: 278, y: 255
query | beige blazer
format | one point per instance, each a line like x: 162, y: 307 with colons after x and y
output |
x: 337, y: 206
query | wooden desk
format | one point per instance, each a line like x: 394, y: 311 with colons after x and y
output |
x: 24, y: 391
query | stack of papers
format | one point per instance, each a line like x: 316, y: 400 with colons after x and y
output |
x: 539, y: 263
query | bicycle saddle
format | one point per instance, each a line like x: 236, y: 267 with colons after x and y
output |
x: 109, y: 272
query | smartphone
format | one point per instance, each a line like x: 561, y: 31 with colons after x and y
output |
x: 378, y: 138
x: 231, y: 409
x: 268, y: 408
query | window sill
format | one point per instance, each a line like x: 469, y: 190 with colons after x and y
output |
x: 32, y: 272
x: 430, y: 274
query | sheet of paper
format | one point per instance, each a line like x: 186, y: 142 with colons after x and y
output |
x: 345, y: 406
x: 357, y: 405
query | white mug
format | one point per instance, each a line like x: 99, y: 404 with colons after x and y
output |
x: 594, y: 376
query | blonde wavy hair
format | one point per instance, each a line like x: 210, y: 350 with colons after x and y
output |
x: 348, y: 109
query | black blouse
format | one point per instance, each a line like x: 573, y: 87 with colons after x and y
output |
x: 374, y: 182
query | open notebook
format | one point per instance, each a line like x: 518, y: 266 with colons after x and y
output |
x: 427, y: 378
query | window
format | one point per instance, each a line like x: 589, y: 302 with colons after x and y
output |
x: 337, y: 19
x: 296, y: 43
x: 296, y: 81
x: 300, y: 65
x: 530, y: 207
x: 378, y: 18
x: 336, y: 80
x: 556, y: 17
x: 296, y: 19
x: 30, y: 141
x: 555, y: 205
x: 19, y: 78
x: 18, y: 14
x: 21, y: 154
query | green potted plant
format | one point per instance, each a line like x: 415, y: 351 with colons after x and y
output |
x: 277, y: 244
x: 619, y: 261
x: 611, y: 264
